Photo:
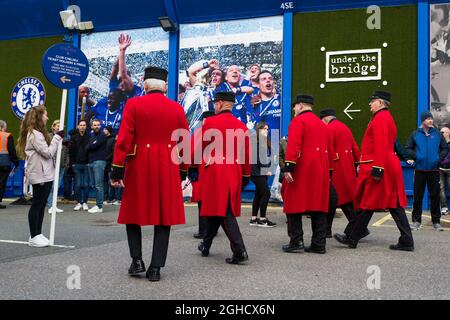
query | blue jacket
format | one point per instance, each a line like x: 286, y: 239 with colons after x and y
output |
x: 427, y: 150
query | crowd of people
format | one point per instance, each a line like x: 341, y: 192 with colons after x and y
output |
x: 320, y: 165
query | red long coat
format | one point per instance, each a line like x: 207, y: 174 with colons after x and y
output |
x: 221, y: 182
x: 377, y: 150
x: 346, y: 153
x: 307, y: 147
x: 152, y: 193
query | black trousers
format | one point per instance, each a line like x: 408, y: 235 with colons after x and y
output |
x: 202, y: 221
x: 360, y: 223
x: 333, y: 201
x: 262, y: 196
x: 230, y: 226
x: 41, y: 192
x: 349, y: 212
x: 431, y: 180
x: 4, y: 173
x: 318, y: 226
x: 160, y: 243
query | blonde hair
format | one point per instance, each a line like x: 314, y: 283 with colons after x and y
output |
x: 56, y: 122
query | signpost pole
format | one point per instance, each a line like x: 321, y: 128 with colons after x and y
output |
x: 57, y: 166
x: 66, y: 67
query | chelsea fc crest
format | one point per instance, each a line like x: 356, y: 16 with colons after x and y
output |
x: 27, y: 93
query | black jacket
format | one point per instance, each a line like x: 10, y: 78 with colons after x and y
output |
x: 263, y: 160
x: 110, y: 143
x: 96, y: 148
x: 78, y: 148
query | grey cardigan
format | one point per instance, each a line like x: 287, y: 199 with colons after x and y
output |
x: 40, y: 165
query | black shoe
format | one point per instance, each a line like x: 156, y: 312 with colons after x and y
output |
x: 199, y: 235
x: 153, y: 274
x: 401, y: 247
x: 266, y: 223
x: 315, y: 250
x: 203, y: 249
x: 2, y: 206
x: 137, y: 266
x: 294, y: 247
x: 365, y: 234
x: 237, y: 258
x: 342, y: 238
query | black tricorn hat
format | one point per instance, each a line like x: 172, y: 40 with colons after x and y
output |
x: 327, y: 112
x: 225, y: 96
x: 207, y: 114
x: 381, y: 95
x: 305, y: 98
x: 155, y: 73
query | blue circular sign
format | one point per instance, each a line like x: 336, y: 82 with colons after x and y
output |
x: 65, y: 66
x: 27, y: 93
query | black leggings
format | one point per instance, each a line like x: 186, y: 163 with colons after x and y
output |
x: 41, y: 192
x: 262, y: 196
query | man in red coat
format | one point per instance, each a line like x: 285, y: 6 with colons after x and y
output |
x: 380, y: 182
x: 346, y: 156
x: 306, y: 184
x: 144, y: 165
x: 226, y: 155
x: 194, y: 176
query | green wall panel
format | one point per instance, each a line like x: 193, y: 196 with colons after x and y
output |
x: 19, y: 59
x: 347, y: 30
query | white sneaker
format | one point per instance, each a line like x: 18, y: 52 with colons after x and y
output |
x: 95, y: 209
x: 107, y: 202
x: 85, y: 207
x: 57, y: 210
x: 38, y: 241
x: 116, y: 203
x: 444, y: 211
x: 78, y: 207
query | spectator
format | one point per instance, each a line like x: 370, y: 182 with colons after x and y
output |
x: 35, y: 143
x: 444, y: 172
x: 427, y: 148
x: 69, y: 175
x: 79, y: 161
x: 109, y: 196
x: 8, y: 156
x: 96, y: 151
x: 260, y: 173
x: 55, y: 129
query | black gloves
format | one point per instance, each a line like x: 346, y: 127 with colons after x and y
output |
x: 61, y: 133
x: 193, y: 174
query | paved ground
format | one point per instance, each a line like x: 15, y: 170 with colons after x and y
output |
x: 101, y: 254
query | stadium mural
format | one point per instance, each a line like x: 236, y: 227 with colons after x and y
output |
x: 117, y: 61
x: 440, y: 64
x: 244, y: 56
